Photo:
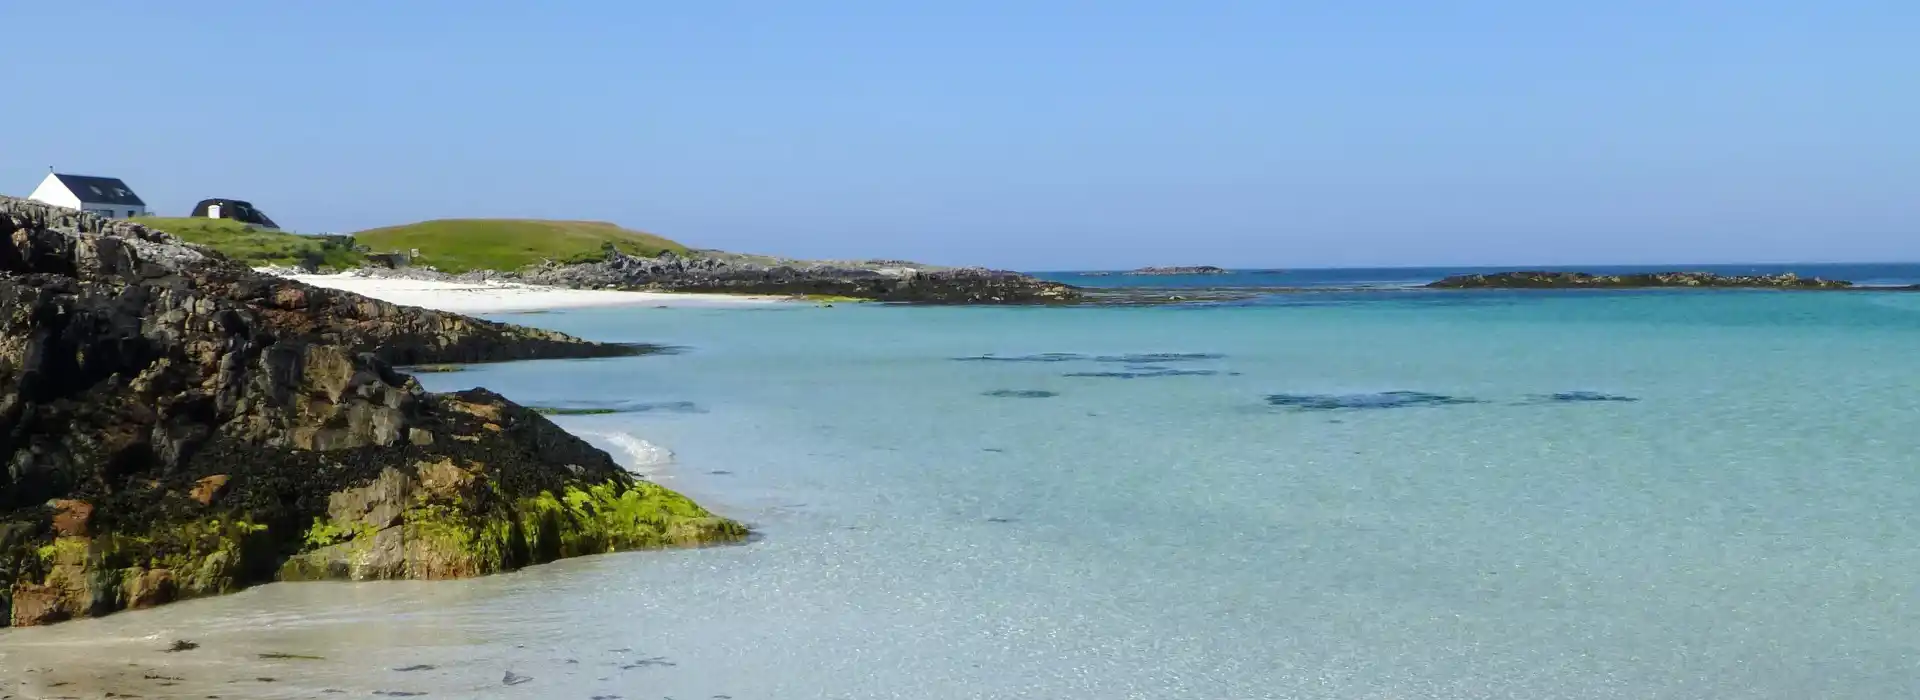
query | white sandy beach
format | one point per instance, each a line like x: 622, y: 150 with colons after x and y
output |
x: 497, y: 297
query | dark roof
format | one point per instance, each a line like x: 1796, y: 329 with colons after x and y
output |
x: 235, y: 209
x: 100, y: 190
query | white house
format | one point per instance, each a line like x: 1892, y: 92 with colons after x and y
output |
x: 106, y: 196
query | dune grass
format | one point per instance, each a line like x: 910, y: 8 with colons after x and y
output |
x: 461, y: 245
x: 258, y: 247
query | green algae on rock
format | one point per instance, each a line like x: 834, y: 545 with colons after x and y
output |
x: 468, y: 528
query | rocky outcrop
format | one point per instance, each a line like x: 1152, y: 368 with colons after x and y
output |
x: 175, y: 425
x: 1582, y: 280
x: 1186, y: 270
x: 710, y: 271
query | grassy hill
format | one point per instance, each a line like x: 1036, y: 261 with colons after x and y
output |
x: 460, y: 245
x: 253, y: 246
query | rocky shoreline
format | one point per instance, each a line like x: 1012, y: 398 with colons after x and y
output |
x: 734, y: 273
x: 175, y: 425
x: 1583, y: 280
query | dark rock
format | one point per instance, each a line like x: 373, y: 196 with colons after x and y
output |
x: 1387, y: 399
x: 1182, y: 270
x: 514, y: 679
x: 1583, y: 280
x: 174, y: 425
x: 415, y: 667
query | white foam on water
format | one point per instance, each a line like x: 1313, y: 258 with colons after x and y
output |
x: 636, y: 454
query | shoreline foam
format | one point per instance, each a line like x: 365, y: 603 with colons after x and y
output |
x: 504, y: 297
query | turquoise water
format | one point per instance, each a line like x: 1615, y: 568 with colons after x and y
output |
x: 1719, y: 504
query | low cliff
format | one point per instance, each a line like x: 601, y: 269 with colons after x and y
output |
x: 175, y: 425
x: 1582, y: 280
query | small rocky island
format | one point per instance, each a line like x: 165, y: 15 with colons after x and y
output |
x: 176, y: 425
x: 1182, y: 270
x: 1583, y: 280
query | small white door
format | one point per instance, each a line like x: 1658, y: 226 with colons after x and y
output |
x: 213, y: 211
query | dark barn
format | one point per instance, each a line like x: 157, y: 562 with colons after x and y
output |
x: 237, y: 210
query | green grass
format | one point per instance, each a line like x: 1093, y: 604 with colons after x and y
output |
x: 460, y: 245
x: 256, y: 247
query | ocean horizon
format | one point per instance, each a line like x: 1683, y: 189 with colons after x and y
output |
x: 1358, y: 494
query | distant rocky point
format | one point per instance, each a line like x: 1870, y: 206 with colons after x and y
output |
x: 1182, y: 270
x: 1583, y: 280
x: 715, y: 271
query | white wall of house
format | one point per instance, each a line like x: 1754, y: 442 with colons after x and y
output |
x: 54, y: 193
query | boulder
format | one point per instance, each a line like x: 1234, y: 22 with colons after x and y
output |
x: 175, y: 425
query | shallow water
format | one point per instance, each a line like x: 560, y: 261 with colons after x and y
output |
x: 1416, y: 516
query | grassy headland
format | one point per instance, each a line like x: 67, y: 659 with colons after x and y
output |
x: 461, y: 245
x: 258, y: 247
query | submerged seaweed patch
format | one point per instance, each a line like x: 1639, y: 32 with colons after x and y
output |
x: 589, y: 408
x: 1020, y: 394
x: 1157, y: 357
x: 1585, y: 397
x: 1136, y: 358
x: 1345, y: 402
x: 1042, y: 357
x: 1143, y: 373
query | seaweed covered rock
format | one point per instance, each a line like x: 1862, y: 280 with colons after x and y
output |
x: 174, y: 425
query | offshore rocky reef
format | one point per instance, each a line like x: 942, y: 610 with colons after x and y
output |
x: 175, y: 425
x: 1583, y: 280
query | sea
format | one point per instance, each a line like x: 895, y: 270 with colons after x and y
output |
x: 1373, y: 491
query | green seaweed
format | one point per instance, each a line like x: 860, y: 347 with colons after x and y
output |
x: 486, y: 532
x: 326, y: 532
x: 463, y: 542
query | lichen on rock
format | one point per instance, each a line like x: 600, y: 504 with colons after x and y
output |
x: 174, y: 425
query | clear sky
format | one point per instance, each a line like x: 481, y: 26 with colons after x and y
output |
x: 1030, y: 134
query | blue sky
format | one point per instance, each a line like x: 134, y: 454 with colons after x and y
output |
x: 1018, y: 133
